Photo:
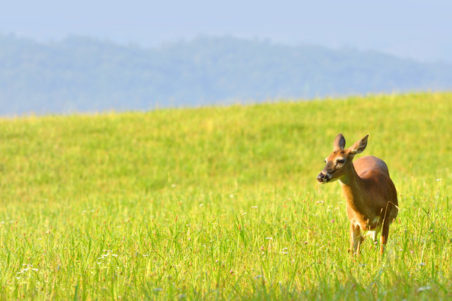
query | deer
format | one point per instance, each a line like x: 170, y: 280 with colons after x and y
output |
x: 371, y: 196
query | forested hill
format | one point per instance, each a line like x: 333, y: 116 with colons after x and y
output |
x: 82, y: 74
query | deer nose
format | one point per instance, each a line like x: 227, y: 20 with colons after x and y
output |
x: 321, y: 177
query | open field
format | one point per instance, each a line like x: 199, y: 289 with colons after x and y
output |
x: 221, y: 203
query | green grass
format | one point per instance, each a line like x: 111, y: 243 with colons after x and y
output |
x: 221, y: 203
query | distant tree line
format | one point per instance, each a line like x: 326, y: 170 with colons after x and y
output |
x: 83, y: 74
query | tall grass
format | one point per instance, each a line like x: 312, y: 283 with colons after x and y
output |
x: 221, y: 203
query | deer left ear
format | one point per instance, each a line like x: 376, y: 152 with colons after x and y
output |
x: 339, y: 142
x: 359, y: 146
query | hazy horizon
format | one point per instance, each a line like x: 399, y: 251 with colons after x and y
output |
x: 407, y: 29
x: 88, y: 56
x: 80, y: 74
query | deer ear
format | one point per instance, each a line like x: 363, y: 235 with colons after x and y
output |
x: 339, y: 142
x: 359, y: 146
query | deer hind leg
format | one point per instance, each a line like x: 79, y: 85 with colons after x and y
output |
x: 390, y: 213
x: 384, y: 235
x: 355, y: 239
x: 374, y: 235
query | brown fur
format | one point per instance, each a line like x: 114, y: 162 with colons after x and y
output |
x: 368, y: 189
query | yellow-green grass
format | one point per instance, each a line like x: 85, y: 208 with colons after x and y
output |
x: 221, y: 202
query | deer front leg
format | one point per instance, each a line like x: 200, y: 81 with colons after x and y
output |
x: 355, y: 239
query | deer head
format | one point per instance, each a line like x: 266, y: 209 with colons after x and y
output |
x: 340, y: 159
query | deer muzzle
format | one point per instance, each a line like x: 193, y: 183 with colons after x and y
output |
x: 324, y: 177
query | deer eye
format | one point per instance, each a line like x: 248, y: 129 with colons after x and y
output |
x: 340, y: 161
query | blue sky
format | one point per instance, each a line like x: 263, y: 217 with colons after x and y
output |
x: 407, y: 28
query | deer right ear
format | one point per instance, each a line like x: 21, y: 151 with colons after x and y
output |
x: 359, y: 146
x: 339, y: 142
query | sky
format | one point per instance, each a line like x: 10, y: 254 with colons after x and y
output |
x: 407, y: 28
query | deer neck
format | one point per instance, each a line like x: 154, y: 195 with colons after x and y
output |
x: 352, y: 187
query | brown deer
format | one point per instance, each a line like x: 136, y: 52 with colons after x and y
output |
x: 370, y: 193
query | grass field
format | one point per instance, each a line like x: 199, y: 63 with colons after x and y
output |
x: 221, y: 203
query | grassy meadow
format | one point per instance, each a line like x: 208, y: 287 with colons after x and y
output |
x: 222, y: 203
